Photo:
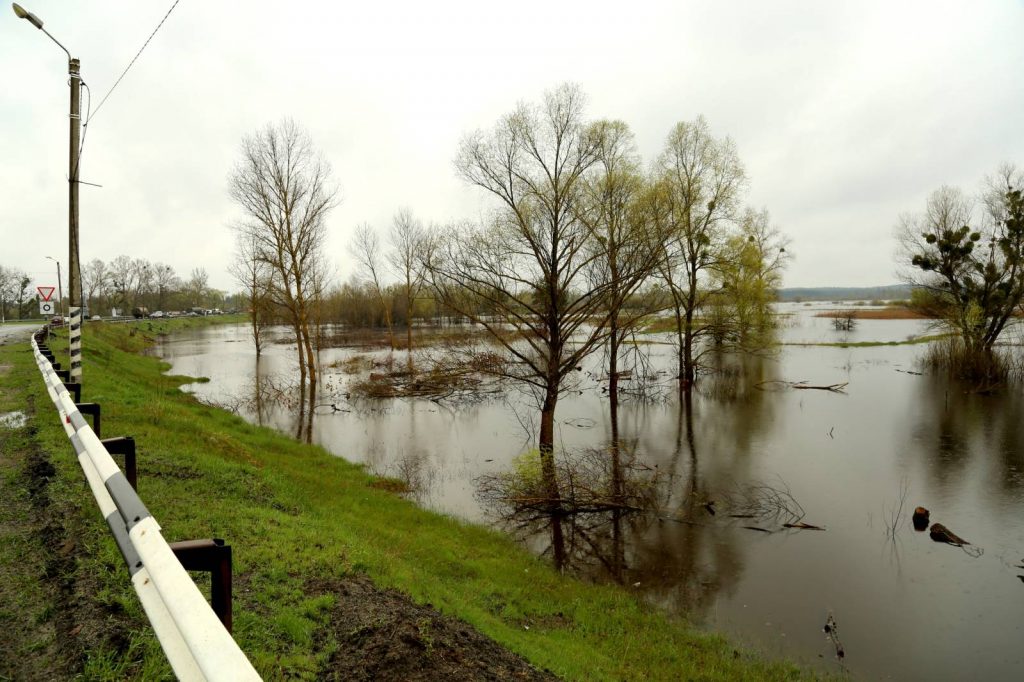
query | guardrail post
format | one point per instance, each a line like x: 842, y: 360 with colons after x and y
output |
x: 92, y: 409
x: 125, y: 445
x: 214, y: 557
x: 74, y: 389
x: 64, y: 374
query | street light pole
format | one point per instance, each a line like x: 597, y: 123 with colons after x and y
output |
x: 74, y: 274
x: 60, y: 288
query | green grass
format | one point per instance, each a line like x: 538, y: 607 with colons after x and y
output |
x: 293, y: 513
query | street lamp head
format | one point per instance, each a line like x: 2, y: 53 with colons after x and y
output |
x: 25, y: 14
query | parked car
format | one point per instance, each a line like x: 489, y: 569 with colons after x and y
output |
x: 139, y: 313
x: 57, y: 321
x: 96, y: 318
x: 158, y: 313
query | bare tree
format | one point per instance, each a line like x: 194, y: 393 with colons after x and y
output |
x: 626, y: 241
x: 8, y: 289
x: 198, y: 285
x: 21, y: 281
x: 523, y: 275
x: 410, y: 246
x: 164, y: 281
x: 701, y: 180
x: 284, y: 187
x: 122, y: 279
x: 365, y: 248
x: 254, y: 275
x: 143, y: 278
x: 95, y: 280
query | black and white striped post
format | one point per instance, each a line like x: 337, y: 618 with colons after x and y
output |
x: 196, y: 642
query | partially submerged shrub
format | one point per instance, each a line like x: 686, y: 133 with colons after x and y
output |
x: 986, y: 368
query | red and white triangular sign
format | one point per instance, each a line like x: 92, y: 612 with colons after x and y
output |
x: 46, y: 292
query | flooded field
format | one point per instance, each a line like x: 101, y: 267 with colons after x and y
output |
x: 856, y: 462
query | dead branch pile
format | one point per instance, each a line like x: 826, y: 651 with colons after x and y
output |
x: 778, y: 384
x: 443, y: 380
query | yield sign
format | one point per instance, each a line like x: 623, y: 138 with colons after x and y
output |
x: 46, y: 292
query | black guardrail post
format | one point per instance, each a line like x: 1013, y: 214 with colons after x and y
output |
x: 92, y: 409
x: 64, y: 374
x: 125, y: 445
x: 74, y: 389
x: 214, y: 557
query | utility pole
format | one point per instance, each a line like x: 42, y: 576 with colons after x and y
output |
x: 75, y: 274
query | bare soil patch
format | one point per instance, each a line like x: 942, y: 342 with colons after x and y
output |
x: 384, y: 635
x: 899, y: 313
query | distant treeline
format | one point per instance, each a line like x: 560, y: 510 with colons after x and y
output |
x: 884, y: 293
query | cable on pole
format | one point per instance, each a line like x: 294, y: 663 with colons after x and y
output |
x: 132, y: 62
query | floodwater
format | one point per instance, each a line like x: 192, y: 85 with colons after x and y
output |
x: 857, y: 462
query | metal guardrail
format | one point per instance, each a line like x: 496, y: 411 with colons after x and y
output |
x: 196, y: 642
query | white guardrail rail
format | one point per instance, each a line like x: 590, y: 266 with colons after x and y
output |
x: 195, y: 641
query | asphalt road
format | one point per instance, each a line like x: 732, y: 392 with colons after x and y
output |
x: 16, y: 332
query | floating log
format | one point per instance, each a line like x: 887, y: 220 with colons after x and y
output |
x: 836, y: 388
x: 760, y: 530
x: 940, y: 533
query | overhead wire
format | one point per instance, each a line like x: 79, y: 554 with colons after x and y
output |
x: 89, y: 111
x: 132, y: 62
x: 85, y: 128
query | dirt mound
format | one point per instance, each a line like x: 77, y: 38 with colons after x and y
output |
x: 383, y: 635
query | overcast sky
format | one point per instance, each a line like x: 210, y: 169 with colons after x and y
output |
x: 845, y: 113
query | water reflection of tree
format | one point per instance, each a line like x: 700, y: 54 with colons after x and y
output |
x: 668, y: 542
x: 957, y: 427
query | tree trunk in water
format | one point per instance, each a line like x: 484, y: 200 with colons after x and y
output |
x: 547, y: 444
x: 408, y: 339
x: 311, y: 373
x: 256, y: 333
x: 617, y: 486
x: 689, y: 372
x: 302, y: 378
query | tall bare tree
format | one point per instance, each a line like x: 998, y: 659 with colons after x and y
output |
x: 701, y: 181
x: 410, y: 246
x: 626, y: 240
x: 284, y: 187
x: 525, y: 270
x: 365, y: 248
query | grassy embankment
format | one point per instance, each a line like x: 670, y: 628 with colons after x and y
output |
x: 297, y: 516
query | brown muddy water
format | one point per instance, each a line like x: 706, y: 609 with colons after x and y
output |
x: 904, y: 607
